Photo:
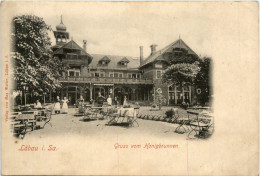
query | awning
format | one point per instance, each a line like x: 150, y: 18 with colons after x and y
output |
x: 103, y: 84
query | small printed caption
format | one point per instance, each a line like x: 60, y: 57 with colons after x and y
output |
x: 6, y: 85
x: 29, y: 148
x: 145, y: 146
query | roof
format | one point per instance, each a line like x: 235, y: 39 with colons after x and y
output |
x: 177, y: 44
x: 133, y: 63
x: 124, y: 60
x: 105, y: 58
x: 71, y: 45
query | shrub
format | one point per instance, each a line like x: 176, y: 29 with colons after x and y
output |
x: 169, y: 113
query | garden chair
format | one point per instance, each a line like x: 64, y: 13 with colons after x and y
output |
x: 19, y: 129
x: 48, y: 118
x: 131, y: 120
x: 183, y: 122
x: 175, y: 115
x: 199, y: 125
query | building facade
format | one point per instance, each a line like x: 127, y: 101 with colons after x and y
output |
x: 119, y: 76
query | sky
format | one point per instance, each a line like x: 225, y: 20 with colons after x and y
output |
x: 120, y: 28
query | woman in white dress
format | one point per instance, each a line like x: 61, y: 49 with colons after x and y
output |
x: 57, y: 106
x: 109, y: 101
x: 65, y: 108
x: 125, y: 102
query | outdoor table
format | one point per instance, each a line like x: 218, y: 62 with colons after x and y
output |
x: 123, y: 112
x: 95, y: 112
x: 198, y: 124
x: 28, y: 117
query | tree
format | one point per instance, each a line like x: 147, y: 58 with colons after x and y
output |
x: 34, y: 67
x: 203, y: 78
x: 181, y: 73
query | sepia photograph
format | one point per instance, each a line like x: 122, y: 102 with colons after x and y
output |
x: 112, y: 87
x: 64, y: 83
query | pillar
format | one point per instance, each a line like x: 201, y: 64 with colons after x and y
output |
x: 175, y: 94
x: 91, y: 91
x: 190, y: 94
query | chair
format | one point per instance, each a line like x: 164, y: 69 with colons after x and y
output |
x: 131, y: 120
x: 19, y: 129
x: 200, y: 125
x: 48, y: 118
x: 183, y: 122
x: 175, y: 115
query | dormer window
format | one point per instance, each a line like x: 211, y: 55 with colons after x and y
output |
x: 123, y: 62
x: 104, y: 61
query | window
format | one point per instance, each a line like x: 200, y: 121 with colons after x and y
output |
x: 111, y: 75
x: 138, y: 76
x: 123, y: 63
x: 74, y: 73
x: 118, y: 75
x: 129, y: 75
x: 72, y: 56
x: 158, y: 65
x: 102, y: 74
x: 134, y: 75
x: 158, y: 74
x: 96, y: 74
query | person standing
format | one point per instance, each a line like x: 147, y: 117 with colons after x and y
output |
x: 57, y: 106
x: 65, y: 108
x: 81, y: 104
x: 125, y: 102
x: 100, y: 100
x: 109, y: 100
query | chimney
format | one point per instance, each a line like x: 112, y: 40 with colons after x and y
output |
x: 153, y: 48
x: 141, y: 55
x: 85, y: 45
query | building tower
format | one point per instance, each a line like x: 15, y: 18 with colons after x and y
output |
x: 60, y: 34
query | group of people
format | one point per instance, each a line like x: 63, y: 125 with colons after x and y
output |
x: 100, y: 100
x: 61, y: 106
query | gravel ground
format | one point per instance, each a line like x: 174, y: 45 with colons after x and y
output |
x: 68, y: 124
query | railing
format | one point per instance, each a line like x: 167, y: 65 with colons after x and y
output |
x: 106, y: 80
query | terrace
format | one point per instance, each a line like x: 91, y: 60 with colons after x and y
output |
x: 80, y: 79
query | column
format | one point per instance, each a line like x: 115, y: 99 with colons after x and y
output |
x: 190, y: 94
x: 133, y: 98
x: 50, y: 96
x: 175, y: 94
x: 148, y: 98
x: 91, y: 90
x: 62, y: 94
x: 67, y: 96
x: 182, y: 94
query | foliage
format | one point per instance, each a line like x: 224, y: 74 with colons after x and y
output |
x: 34, y: 65
x: 169, y: 113
x: 154, y: 105
x: 159, y: 99
x: 203, y: 79
x: 203, y: 75
x: 181, y: 72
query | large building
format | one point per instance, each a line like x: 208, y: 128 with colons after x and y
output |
x: 118, y: 76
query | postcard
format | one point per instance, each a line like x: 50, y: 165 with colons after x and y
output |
x: 129, y: 88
